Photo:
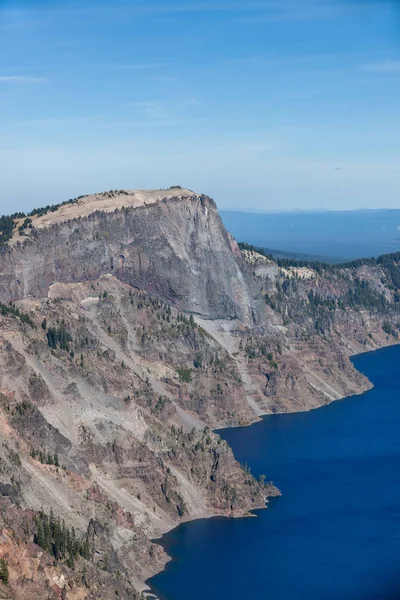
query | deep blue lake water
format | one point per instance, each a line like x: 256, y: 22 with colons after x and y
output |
x: 335, y: 532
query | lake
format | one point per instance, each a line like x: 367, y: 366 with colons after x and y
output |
x: 334, y: 533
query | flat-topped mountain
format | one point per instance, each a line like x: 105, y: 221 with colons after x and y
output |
x: 168, y: 242
x: 106, y: 202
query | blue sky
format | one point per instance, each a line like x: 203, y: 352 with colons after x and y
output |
x: 260, y: 104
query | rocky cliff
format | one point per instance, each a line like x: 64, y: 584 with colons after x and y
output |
x: 169, y: 244
x: 138, y: 326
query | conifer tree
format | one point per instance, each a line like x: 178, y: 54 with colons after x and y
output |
x: 4, y: 570
x: 39, y: 536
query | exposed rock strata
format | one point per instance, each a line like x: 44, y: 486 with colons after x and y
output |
x: 175, y: 248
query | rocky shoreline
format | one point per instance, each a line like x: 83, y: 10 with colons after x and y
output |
x: 148, y: 589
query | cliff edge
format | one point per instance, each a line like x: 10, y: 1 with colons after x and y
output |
x: 170, y: 243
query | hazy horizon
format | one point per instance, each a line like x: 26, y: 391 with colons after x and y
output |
x: 317, y: 209
x: 27, y: 204
x: 345, y: 235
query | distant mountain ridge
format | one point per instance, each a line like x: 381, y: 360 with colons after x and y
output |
x: 337, y: 235
x: 302, y: 211
x: 304, y: 257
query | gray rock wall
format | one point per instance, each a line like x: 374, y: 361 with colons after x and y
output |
x: 177, y: 249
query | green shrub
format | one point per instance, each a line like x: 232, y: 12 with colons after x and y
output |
x: 185, y: 375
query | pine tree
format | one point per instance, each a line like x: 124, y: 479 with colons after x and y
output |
x: 39, y: 537
x: 4, y: 570
x: 73, y: 546
x: 85, y: 549
x: 71, y: 561
x: 58, y: 540
x: 47, y: 535
x: 57, y: 536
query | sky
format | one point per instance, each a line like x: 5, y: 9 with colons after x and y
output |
x: 260, y: 104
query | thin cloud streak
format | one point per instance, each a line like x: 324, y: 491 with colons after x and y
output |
x: 163, y: 111
x: 144, y: 103
x: 273, y: 59
x: 285, y: 10
x: 296, y: 96
x: 152, y: 109
x: 96, y: 122
x: 62, y: 121
x: 137, y: 66
x: 21, y: 79
x: 202, y: 7
x: 390, y: 66
x: 124, y: 9
x: 313, y: 11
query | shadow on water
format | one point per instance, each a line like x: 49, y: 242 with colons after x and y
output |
x: 334, y: 533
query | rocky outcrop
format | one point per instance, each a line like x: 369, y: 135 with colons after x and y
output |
x: 176, y: 249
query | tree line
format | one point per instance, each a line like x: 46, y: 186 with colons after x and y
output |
x: 11, y: 309
x: 58, y: 337
x: 60, y: 541
x: 7, y: 222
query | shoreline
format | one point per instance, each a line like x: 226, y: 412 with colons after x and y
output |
x: 148, y: 591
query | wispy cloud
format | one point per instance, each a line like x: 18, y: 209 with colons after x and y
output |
x: 21, y: 79
x: 167, y: 79
x: 293, y: 10
x: 104, y: 122
x: 51, y: 122
x: 144, y: 104
x: 389, y: 66
x: 257, y: 11
x: 158, y: 109
x: 136, y: 66
x: 151, y: 108
x: 296, y: 96
x: 213, y: 7
x: 262, y: 60
x: 168, y: 122
x: 124, y: 9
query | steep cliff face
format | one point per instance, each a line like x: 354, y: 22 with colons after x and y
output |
x: 106, y: 387
x: 174, y: 247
